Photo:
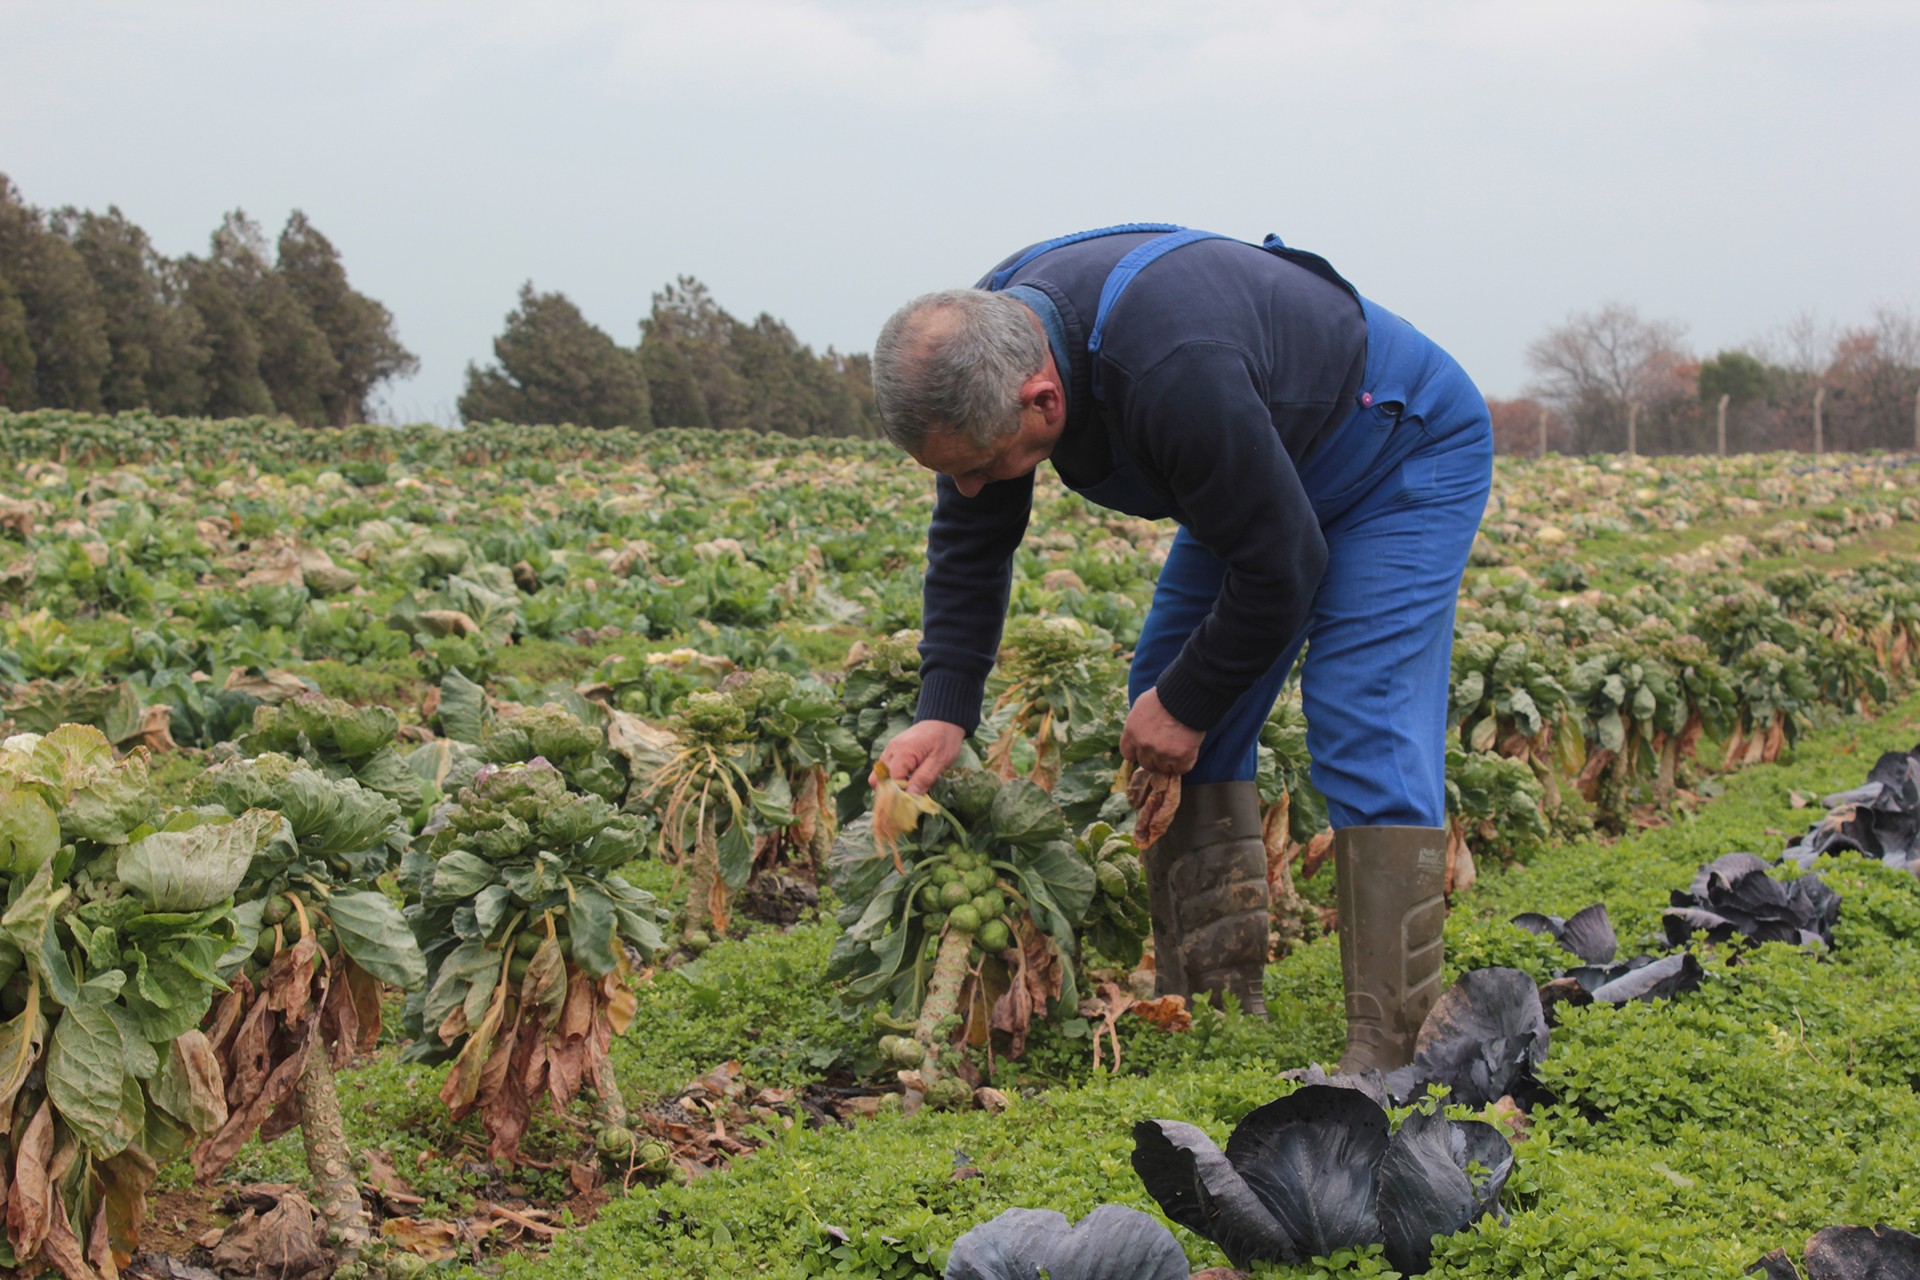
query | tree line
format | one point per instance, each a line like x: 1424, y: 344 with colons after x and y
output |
x: 1611, y: 379
x: 93, y: 317
x: 694, y: 366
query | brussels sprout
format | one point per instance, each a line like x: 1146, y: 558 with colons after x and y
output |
x: 889, y: 1047
x: 401, y: 1265
x: 614, y: 1140
x: 995, y: 936
x: 654, y: 1154
x: 962, y: 860
x: 949, y: 1093
x: 990, y: 904
x: 928, y: 898
x: 527, y: 943
x: 326, y: 941
x: 964, y: 919
x: 264, y: 948
x: 979, y: 880
x: 908, y: 1052
x: 954, y: 895
x: 935, y: 923
x: 945, y: 874
x: 279, y: 907
x: 1130, y: 867
x: 697, y: 940
x: 517, y: 968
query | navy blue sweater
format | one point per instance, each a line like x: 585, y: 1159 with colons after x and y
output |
x: 1221, y: 367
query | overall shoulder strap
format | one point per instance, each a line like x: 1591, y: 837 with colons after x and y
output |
x: 1311, y: 261
x: 1005, y: 273
x: 1122, y: 275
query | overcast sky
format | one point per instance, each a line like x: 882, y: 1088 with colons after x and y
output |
x: 1483, y: 167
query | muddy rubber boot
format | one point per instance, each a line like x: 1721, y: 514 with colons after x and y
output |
x: 1390, y: 883
x: 1207, y: 886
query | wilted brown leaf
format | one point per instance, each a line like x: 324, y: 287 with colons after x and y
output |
x: 30, y: 1198
x: 1155, y: 798
x: 1036, y: 980
x: 1318, y: 850
x: 283, y: 1243
x: 896, y: 812
x: 1169, y: 1013
x: 271, y: 687
x: 434, y: 1239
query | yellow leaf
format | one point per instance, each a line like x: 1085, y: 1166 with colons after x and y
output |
x: 896, y: 812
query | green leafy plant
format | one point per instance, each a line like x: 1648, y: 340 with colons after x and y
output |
x: 116, y: 915
x: 970, y: 923
x: 527, y: 934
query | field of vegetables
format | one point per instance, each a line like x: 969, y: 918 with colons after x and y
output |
x: 487, y: 813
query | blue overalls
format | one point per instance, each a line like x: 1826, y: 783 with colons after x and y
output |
x: 1398, y: 489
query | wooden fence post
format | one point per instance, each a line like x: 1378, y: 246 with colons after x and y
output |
x: 1543, y: 427
x: 1633, y: 429
x: 1819, y: 427
x: 1720, y: 424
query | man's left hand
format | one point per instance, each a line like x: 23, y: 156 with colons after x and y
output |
x: 1153, y: 739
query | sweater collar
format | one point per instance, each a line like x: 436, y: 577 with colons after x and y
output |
x: 1069, y: 355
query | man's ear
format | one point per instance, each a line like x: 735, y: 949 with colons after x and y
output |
x: 1042, y: 391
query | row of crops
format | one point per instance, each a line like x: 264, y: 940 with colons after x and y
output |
x: 445, y: 746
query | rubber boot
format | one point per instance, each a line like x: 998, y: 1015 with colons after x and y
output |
x: 1390, y: 883
x: 1207, y: 887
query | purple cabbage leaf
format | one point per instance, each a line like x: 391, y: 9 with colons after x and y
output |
x: 1111, y: 1243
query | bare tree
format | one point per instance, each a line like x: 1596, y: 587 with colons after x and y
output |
x: 1597, y: 364
x: 1871, y: 380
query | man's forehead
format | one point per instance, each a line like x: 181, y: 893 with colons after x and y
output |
x: 950, y: 451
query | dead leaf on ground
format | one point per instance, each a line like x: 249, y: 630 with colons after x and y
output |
x: 281, y: 1243
x: 1168, y: 1013
x: 434, y: 1239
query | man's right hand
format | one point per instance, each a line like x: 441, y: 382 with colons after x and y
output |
x: 919, y: 755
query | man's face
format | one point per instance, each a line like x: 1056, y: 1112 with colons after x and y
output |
x: 1008, y: 458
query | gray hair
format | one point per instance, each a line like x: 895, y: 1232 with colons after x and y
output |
x: 953, y: 362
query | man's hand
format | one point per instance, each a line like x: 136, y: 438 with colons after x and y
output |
x: 1153, y: 739
x: 921, y: 754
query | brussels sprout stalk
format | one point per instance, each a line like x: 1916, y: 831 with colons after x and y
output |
x: 943, y: 994
x: 336, y: 1194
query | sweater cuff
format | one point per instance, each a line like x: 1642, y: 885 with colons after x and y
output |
x: 1186, y: 700
x: 952, y: 697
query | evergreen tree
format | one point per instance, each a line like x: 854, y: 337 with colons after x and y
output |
x: 65, y: 324
x: 556, y: 366
x: 16, y: 350
x: 296, y: 361
x: 672, y: 386
x: 231, y: 374
x: 359, y: 331
x: 156, y: 353
x: 707, y: 389
x: 707, y: 369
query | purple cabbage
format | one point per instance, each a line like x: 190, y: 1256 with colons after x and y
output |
x: 1111, y: 1243
x: 1317, y: 1171
x: 1848, y: 1253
